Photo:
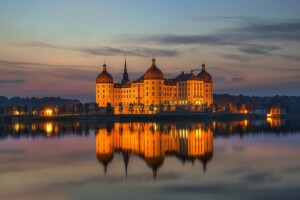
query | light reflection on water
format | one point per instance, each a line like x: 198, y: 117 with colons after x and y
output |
x: 216, y: 160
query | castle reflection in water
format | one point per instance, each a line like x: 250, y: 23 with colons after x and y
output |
x: 152, y: 141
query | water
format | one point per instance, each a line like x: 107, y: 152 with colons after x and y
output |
x: 246, y: 159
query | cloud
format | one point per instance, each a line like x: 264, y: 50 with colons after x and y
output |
x: 219, y: 79
x: 242, y: 19
x: 247, y: 38
x: 71, y: 72
x: 222, y: 79
x: 12, y: 81
x: 290, y: 57
x: 258, y: 49
x: 237, y: 79
x: 236, y: 57
x: 110, y: 51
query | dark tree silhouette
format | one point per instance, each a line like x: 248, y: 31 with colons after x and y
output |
x: 131, y: 109
x: 161, y: 108
x: 120, y: 108
x: 109, y: 108
x: 238, y: 107
x: 169, y: 107
x: 86, y: 108
x: 73, y: 109
x: 96, y: 108
x: 142, y: 108
x: 63, y: 109
x: 151, y: 108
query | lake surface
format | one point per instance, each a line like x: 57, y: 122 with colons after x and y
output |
x: 248, y: 159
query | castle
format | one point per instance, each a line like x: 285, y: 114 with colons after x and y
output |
x: 152, y: 91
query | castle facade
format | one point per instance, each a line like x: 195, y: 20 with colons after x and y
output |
x: 153, y: 92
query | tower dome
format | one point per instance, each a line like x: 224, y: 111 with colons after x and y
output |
x: 204, y: 76
x: 104, y: 76
x: 154, y: 163
x: 153, y: 72
x: 105, y: 159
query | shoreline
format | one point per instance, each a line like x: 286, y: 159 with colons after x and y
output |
x: 135, y: 117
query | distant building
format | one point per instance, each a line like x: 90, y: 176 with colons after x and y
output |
x: 151, y: 91
x: 259, y: 111
x: 277, y: 111
x: 43, y: 111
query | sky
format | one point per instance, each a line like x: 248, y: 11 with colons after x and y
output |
x: 57, y: 48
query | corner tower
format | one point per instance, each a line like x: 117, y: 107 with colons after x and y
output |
x: 104, y: 88
x: 207, y: 85
x: 154, y: 85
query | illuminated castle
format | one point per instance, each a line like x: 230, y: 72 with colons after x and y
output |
x: 187, y: 89
x: 153, y: 142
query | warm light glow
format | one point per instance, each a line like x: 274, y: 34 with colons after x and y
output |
x: 48, y: 112
x: 49, y: 129
x: 17, y: 127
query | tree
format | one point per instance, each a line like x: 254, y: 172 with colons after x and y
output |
x: 161, y: 108
x: 228, y: 107
x: 18, y: 109
x: 56, y: 109
x: 205, y: 107
x: 250, y: 106
x: 96, y: 108
x: 131, y: 108
x: 196, y: 107
x: 120, y: 108
x: 151, y: 108
x: 213, y: 107
x: 33, y: 111
x: 142, y: 108
x: 169, y: 107
x: 26, y: 109
x: 73, y: 109
x: 2, y: 111
x: 79, y: 108
x: 238, y: 107
x: 109, y: 108
x: 63, y: 109
x: 86, y: 108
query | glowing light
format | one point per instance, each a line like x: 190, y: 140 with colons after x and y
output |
x: 48, y: 112
x: 17, y: 127
x: 49, y: 129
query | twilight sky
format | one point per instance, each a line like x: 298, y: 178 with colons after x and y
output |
x: 57, y: 48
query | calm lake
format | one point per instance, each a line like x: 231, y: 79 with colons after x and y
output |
x: 248, y: 159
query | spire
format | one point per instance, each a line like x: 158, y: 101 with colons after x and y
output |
x: 154, y: 174
x: 125, y: 67
x: 105, y: 169
x: 125, y: 74
x: 203, y: 66
x: 153, y: 61
x: 126, y: 161
x: 104, y: 66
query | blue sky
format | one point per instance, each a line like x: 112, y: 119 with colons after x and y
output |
x: 250, y: 47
